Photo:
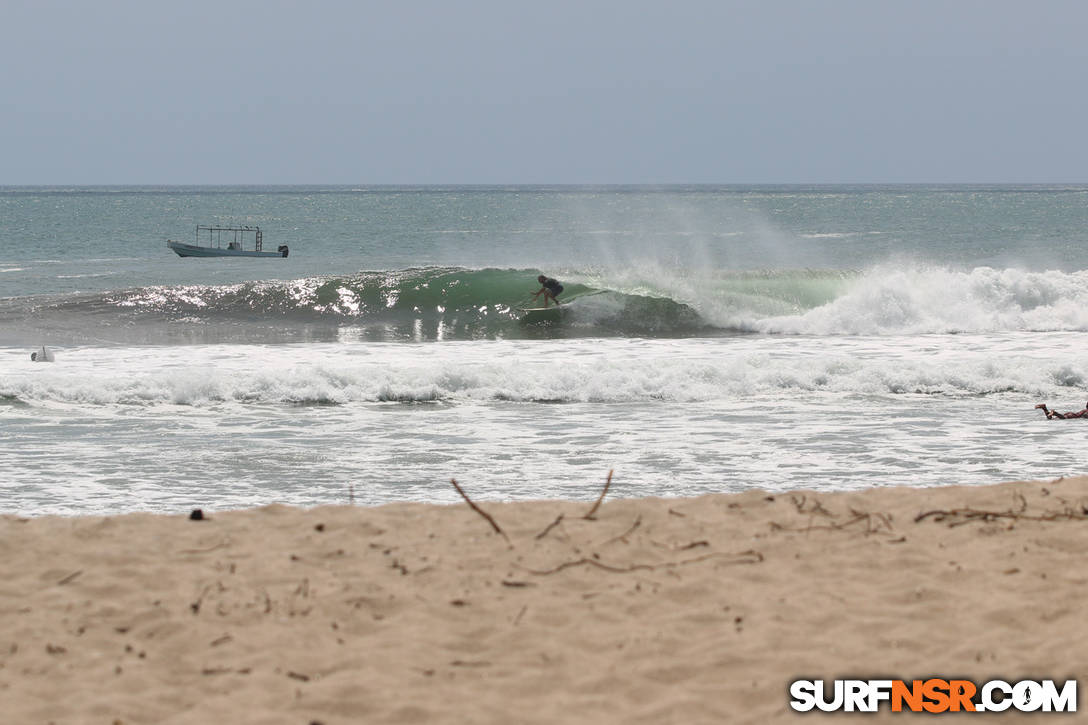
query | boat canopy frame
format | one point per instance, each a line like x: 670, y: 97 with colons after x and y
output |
x: 240, y: 234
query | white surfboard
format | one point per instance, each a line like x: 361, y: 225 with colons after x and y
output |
x: 539, y: 314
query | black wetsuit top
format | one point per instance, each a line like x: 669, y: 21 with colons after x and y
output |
x: 553, y: 286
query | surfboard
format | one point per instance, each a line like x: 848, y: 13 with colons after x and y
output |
x: 539, y: 314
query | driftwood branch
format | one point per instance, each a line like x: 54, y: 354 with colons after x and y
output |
x: 874, y: 523
x: 1070, y: 511
x: 625, y: 534
x: 959, y: 517
x: 607, y: 483
x: 477, y: 509
x: 800, y: 501
x: 549, y: 527
x: 744, y: 557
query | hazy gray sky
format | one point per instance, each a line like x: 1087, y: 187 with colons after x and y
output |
x: 589, y: 91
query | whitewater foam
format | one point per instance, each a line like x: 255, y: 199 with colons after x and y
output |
x: 619, y: 371
x: 942, y: 301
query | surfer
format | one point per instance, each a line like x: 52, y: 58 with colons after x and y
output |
x: 1052, y: 414
x: 550, y: 289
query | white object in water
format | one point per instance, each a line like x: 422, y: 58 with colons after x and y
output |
x: 42, y: 355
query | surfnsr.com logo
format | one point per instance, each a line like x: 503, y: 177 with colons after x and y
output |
x: 933, y: 695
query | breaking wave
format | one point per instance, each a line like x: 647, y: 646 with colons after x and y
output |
x: 614, y: 371
x: 456, y: 303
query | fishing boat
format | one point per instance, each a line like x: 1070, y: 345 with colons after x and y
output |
x: 226, y: 242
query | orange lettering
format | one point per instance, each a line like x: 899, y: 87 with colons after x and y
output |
x: 911, y: 695
x: 936, y: 691
x: 961, y: 692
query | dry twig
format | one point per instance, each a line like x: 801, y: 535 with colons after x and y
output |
x: 625, y: 534
x: 799, y: 501
x: 70, y: 578
x: 607, y: 483
x: 959, y: 517
x: 968, y: 515
x: 549, y: 527
x: 744, y: 557
x: 874, y: 524
x: 477, y: 509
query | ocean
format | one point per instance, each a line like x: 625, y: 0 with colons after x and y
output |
x: 714, y: 339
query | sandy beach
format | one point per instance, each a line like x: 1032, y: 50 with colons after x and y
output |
x: 651, y: 611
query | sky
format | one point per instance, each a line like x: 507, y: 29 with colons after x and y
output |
x: 548, y: 92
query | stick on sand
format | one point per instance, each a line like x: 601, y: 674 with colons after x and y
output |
x: 477, y: 509
x: 607, y: 483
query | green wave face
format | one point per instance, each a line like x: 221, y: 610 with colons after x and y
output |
x: 418, y: 303
x: 446, y: 303
x: 454, y: 303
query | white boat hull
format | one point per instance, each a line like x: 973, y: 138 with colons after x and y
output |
x: 192, y: 250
